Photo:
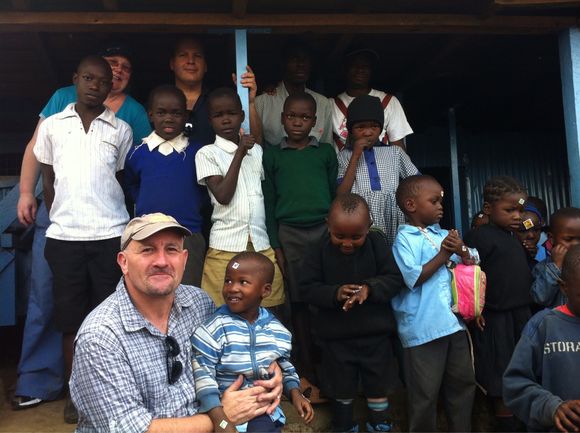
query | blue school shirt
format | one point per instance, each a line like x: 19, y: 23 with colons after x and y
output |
x: 423, y: 313
x: 131, y: 111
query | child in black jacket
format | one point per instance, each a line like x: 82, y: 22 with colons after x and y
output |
x: 349, y: 278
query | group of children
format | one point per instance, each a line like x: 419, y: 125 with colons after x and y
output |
x: 354, y: 242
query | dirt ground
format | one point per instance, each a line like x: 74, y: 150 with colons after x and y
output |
x: 48, y: 418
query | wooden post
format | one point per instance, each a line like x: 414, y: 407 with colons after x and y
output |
x: 570, y: 73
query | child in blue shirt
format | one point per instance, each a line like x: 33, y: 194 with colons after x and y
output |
x: 243, y: 338
x: 436, y: 353
x: 541, y: 384
x: 160, y: 174
x: 564, y: 232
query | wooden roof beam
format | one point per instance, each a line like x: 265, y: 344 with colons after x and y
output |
x: 282, y: 23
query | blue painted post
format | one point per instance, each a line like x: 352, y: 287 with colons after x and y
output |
x: 455, y: 172
x: 241, y: 63
x: 570, y: 74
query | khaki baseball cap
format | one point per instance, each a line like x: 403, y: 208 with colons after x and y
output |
x: 142, y: 227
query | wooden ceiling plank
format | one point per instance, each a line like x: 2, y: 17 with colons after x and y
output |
x: 291, y: 23
x: 239, y: 8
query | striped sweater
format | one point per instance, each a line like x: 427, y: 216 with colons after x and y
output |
x: 228, y: 345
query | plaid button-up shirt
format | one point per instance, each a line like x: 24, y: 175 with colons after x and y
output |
x: 119, y: 381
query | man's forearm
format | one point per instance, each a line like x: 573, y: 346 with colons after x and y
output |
x: 192, y: 424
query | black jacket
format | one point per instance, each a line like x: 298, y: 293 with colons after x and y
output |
x: 325, y: 269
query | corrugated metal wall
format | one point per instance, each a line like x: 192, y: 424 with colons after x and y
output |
x: 539, y: 161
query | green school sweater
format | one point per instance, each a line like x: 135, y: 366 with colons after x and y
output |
x: 299, y: 185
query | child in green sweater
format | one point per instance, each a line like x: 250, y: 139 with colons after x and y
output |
x: 299, y: 186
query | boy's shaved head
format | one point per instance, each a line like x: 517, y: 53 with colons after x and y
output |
x: 410, y: 187
x: 166, y: 89
x: 97, y: 61
x: 565, y: 213
x: 224, y: 92
x: 264, y: 265
x: 571, y: 264
x: 300, y: 96
x: 349, y: 203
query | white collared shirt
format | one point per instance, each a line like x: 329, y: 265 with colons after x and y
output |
x: 270, y: 107
x: 88, y: 201
x: 166, y: 147
x: 244, y: 217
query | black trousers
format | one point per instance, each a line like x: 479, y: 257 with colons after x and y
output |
x: 442, y: 366
x: 85, y: 273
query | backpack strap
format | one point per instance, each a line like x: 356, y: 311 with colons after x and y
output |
x: 339, y: 144
x: 342, y: 107
x: 384, y: 104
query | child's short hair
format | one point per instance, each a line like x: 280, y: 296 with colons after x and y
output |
x: 349, y: 203
x: 565, y: 213
x: 300, y: 96
x: 571, y: 263
x: 167, y: 89
x: 224, y: 92
x: 93, y: 59
x: 498, y: 186
x: 410, y: 187
x: 265, y: 265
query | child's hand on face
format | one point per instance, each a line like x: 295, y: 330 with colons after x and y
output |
x: 302, y: 405
x: 567, y: 416
x: 247, y: 141
x: 361, y: 145
x: 558, y: 253
x: 352, y: 294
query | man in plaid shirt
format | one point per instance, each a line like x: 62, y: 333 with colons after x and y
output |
x: 132, y: 369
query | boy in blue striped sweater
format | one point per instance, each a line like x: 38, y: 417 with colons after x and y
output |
x: 243, y: 338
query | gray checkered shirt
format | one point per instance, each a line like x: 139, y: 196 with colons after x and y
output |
x: 392, y: 164
x: 119, y: 381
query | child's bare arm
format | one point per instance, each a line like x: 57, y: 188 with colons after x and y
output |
x: 48, y: 184
x: 302, y: 405
x: 350, y: 174
x: 220, y: 421
x: 433, y: 265
x: 224, y: 187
